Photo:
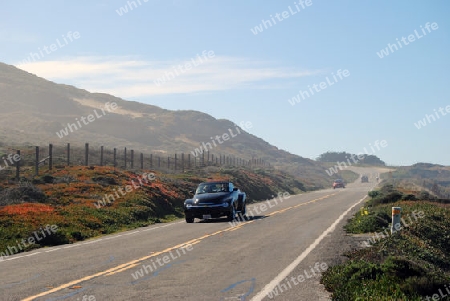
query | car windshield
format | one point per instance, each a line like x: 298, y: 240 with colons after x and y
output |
x: 338, y: 181
x: 212, y: 188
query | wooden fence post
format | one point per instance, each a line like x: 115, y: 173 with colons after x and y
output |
x: 50, y: 156
x: 86, y: 154
x: 182, y: 162
x: 18, y: 166
x: 101, y: 155
x: 115, y: 158
x: 68, y: 154
x: 125, y: 158
x: 132, y: 159
x: 36, y: 166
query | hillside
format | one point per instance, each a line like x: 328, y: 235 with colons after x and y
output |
x: 335, y: 157
x: 35, y: 110
x: 433, y: 178
x: 84, y: 202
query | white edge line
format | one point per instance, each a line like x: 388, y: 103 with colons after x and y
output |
x: 18, y: 257
x: 168, y: 225
x: 53, y: 250
x: 90, y: 242
x: 131, y: 233
x: 150, y: 229
x: 280, y: 277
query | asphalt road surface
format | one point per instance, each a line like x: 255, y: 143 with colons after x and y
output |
x: 282, y: 250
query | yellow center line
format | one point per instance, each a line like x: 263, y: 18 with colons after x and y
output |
x: 134, y: 263
x: 299, y: 205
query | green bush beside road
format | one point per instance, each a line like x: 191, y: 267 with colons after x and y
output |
x: 412, y: 264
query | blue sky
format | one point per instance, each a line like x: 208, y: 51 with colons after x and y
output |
x: 252, y: 77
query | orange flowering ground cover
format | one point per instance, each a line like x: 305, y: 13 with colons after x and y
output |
x: 70, y: 195
x: 22, y: 209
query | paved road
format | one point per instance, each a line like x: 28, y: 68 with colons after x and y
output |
x: 282, y: 249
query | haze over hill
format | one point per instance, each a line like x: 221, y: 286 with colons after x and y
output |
x: 37, y: 112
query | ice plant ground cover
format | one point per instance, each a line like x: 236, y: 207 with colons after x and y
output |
x: 66, y: 197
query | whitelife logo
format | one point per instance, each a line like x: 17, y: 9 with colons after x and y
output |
x: 13, y: 159
x: 130, y: 5
x: 206, y: 146
x: 391, y: 48
x: 161, y: 261
x: 266, y: 24
x: 86, y: 120
x: 47, y: 231
x: 169, y: 75
x: 110, y: 198
x: 431, y: 118
x: 319, y: 87
x: 69, y: 37
x: 289, y: 282
x: 341, y: 165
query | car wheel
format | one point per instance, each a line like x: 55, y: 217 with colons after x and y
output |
x: 244, y: 209
x: 232, y: 214
x: 189, y: 220
x: 242, y: 214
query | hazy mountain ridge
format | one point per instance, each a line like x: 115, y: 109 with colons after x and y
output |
x: 433, y: 177
x: 35, y: 109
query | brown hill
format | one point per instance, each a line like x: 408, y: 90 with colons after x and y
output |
x: 34, y: 110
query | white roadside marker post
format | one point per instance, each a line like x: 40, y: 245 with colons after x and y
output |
x: 396, y: 219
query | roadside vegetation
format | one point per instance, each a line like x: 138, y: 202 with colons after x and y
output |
x: 412, y: 264
x: 67, y: 197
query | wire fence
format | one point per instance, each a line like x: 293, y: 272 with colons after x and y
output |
x: 57, y: 156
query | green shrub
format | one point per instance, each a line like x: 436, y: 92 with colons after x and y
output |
x: 409, y: 197
x: 374, y: 193
x: 372, y: 222
x: 48, y: 179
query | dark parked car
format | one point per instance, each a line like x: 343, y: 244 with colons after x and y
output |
x: 364, y: 179
x: 214, y: 200
x: 338, y: 184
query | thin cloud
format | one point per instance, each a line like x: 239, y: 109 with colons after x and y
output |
x: 127, y: 76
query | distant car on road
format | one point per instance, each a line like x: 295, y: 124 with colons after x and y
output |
x: 214, y: 200
x: 338, y: 183
x: 364, y: 179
